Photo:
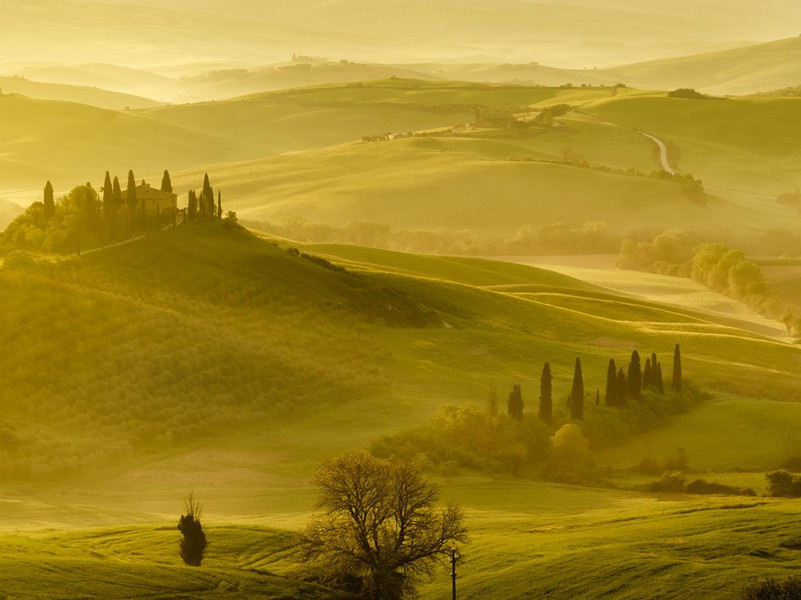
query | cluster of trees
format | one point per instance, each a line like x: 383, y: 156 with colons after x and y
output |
x: 675, y: 482
x: 621, y: 385
x: 204, y: 205
x: 717, y: 266
x: 688, y: 94
x: 553, y: 442
x: 86, y: 218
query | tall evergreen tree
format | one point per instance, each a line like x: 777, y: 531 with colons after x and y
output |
x: 622, y: 388
x: 515, y: 405
x: 191, y: 211
x: 677, y: 368
x: 654, y: 360
x: 546, y: 394
x: 635, y: 377
x: 646, y: 374
x: 49, y: 202
x: 108, y: 198
x: 577, y: 393
x: 117, y: 191
x: 166, y: 182
x: 131, y: 197
x: 659, y: 382
x: 611, y: 384
x: 219, y: 205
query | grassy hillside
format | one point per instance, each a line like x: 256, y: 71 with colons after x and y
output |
x: 707, y: 137
x: 744, y: 70
x: 203, y: 358
x: 74, y: 93
x: 67, y: 142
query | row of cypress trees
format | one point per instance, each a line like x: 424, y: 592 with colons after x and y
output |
x: 620, y: 386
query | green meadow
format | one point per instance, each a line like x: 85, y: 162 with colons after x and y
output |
x: 327, y: 360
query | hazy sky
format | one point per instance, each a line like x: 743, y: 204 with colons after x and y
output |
x: 201, y: 33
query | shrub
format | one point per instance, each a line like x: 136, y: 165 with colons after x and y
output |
x: 193, y: 541
x: 670, y: 482
x: 19, y: 261
x: 699, y: 486
x: 782, y: 484
x: 772, y: 589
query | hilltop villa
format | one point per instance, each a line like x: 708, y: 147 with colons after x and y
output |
x: 155, y: 201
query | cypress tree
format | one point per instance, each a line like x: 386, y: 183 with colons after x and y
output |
x: 546, y: 394
x: 108, y: 198
x: 219, y: 205
x: 131, y: 198
x: 635, y: 377
x: 622, y: 388
x: 166, y: 182
x: 49, y: 202
x: 647, y: 374
x: 654, y: 360
x: 191, y: 212
x: 677, y: 369
x: 577, y: 393
x: 659, y: 383
x: 515, y: 405
x: 117, y: 194
x: 611, y: 384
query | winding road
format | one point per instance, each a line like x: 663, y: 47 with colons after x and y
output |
x: 663, y: 152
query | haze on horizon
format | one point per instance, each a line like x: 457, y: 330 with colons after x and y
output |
x: 189, y: 37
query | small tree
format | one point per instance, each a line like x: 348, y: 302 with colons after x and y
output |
x: 677, y: 369
x: 193, y: 540
x: 379, y: 525
x: 546, y: 394
x: 610, y: 398
x: 577, y: 393
x: 647, y: 374
x: 515, y: 405
x: 219, y: 205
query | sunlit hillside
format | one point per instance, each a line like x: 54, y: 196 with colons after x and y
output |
x: 275, y: 348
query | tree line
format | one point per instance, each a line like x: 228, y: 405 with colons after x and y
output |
x: 621, y: 386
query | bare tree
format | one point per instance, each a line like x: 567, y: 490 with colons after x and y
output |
x: 379, y: 525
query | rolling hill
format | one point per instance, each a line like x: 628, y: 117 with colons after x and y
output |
x: 73, y: 93
x: 204, y: 358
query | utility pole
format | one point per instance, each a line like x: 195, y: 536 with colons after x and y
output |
x: 454, y: 558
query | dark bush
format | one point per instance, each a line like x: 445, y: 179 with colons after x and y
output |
x: 772, y: 589
x: 193, y: 540
x: 670, y: 482
x: 783, y: 484
x: 699, y: 486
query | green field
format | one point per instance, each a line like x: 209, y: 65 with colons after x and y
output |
x: 281, y: 362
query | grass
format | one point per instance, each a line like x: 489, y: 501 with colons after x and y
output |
x: 706, y: 137
x: 206, y: 359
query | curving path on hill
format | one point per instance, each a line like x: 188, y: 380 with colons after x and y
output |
x: 663, y: 152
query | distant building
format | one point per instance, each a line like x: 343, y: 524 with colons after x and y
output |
x: 154, y: 201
